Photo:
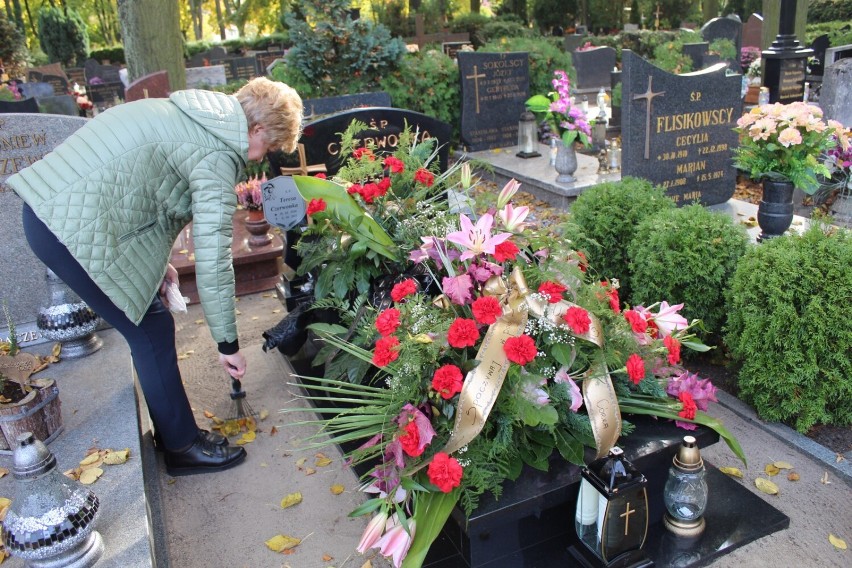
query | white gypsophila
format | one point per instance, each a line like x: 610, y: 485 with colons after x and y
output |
x: 463, y: 462
x: 548, y: 372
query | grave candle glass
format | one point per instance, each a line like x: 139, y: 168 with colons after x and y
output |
x: 612, y: 513
x: 685, y: 494
x: 527, y: 136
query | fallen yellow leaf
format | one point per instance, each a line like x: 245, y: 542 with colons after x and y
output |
x: 230, y: 428
x: 208, y: 414
x: 247, y: 438
x: 183, y: 357
x: 732, y: 471
x: 89, y: 476
x: 199, y: 322
x: 281, y: 542
x: 337, y: 489
x: 239, y: 313
x: 276, y: 311
x: 72, y: 474
x: 838, y: 542
x: 327, y: 557
x: 792, y: 476
x: 322, y: 462
x: 264, y: 414
x: 766, y: 486
x: 291, y: 499
x: 116, y: 457
x: 3, y: 471
x: 90, y: 459
x: 310, y: 471
x: 839, y: 458
x: 4, y: 506
x: 824, y: 479
x: 771, y: 470
x: 783, y: 465
x: 300, y: 462
x: 367, y: 564
x: 254, y: 318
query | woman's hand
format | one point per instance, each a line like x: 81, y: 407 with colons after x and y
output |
x: 170, y: 277
x: 235, y: 365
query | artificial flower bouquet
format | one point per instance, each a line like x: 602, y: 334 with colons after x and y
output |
x: 248, y: 193
x: 838, y: 157
x: 783, y: 142
x: 494, y: 339
x: 562, y: 117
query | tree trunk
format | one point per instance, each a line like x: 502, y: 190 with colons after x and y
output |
x: 30, y: 18
x: 152, y: 39
x: 220, y: 20
x: 195, y: 16
x: 19, y: 16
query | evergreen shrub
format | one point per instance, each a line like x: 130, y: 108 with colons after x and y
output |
x: 63, y: 38
x: 789, y: 326
x: 13, y: 47
x: 473, y: 24
x: 829, y: 11
x: 687, y: 256
x: 606, y: 217
x: 546, y: 56
x: 114, y: 54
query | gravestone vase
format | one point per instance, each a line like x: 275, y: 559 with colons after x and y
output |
x: 566, y: 162
x: 775, y: 211
x: 258, y: 228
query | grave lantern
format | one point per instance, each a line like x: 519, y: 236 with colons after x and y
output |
x: 612, y: 513
x: 685, y: 494
x: 527, y: 136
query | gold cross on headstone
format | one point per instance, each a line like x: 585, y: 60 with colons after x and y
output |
x: 303, y: 169
x: 476, y: 77
x: 648, y: 96
x: 626, y: 514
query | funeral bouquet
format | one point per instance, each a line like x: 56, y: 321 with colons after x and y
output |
x: 783, y: 142
x: 248, y: 193
x: 562, y: 117
x: 488, y: 343
x: 838, y: 158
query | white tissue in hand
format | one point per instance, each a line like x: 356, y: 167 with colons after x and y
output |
x: 177, y: 302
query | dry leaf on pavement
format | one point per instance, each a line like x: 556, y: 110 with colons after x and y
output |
x: 838, y: 542
x: 766, y: 486
x: 89, y: 476
x: 116, y: 457
x: 824, y: 479
x: 783, y: 465
x: 264, y: 414
x: 90, y: 459
x: 337, y: 489
x: 732, y: 471
x: 792, y: 476
x: 3, y: 471
x: 291, y: 499
x: 281, y: 542
x: 771, y: 469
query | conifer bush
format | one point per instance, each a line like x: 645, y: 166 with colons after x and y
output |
x: 606, y: 217
x: 789, y: 326
x: 687, y: 256
x: 63, y: 36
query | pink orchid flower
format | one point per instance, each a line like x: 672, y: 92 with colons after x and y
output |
x: 373, y: 532
x: 396, y: 541
x: 668, y: 319
x: 508, y: 191
x: 513, y: 219
x: 563, y: 377
x: 477, y: 239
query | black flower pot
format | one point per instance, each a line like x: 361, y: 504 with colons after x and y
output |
x: 775, y: 212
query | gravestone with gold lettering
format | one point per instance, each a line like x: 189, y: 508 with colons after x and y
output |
x: 677, y: 130
x: 494, y: 87
x: 24, y: 139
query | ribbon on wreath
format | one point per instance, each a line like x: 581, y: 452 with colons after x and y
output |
x: 482, y: 384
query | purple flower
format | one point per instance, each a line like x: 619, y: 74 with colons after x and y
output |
x: 482, y: 271
x: 458, y: 289
x: 702, y: 390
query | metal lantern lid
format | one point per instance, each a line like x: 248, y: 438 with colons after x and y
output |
x: 613, y: 473
x: 688, y: 457
x: 49, y: 522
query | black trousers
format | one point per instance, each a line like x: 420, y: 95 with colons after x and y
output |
x: 152, y: 342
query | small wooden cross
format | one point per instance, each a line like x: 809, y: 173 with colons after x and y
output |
x: 657, y: 13
x: 648, y: 95
x: 626, y: 514
x: 304, y: 169
x: 476, y: 77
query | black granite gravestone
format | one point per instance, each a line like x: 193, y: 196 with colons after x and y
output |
x: 76, y: 75
x: 104, y: 94
x: 729, y: 27
x: 105, y: 73
x: 696, y: 52
x: 238, y: 68
x: 57, y: 82
x: 321, y: 138
x: 206, y: 58
x: 572, y: 42
x: 36, y: 89
x: 784, y: 60
x: 817, y: 64
x: 677, y: 130
x: 494, y: 87
x: 593, y: 67
x: 330, y: 105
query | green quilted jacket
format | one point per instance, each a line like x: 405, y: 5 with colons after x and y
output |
x: 119, y: 190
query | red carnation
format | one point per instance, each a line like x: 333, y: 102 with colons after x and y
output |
x: 486, y: 310
x: 507, y: 250
x: 384, y: 185
x: 316, y: 205
x: 520, y: 350
x: 447, y: 380
x: 444, y: 472
x: 673, y: 345
x: 387, y: 322
x: 354, y: 188
x: 577, y: 319
x: 635, y: 368
x: 405, y: 288
x: 689, y: 406
x: 410, y: 440
x: 395, y: 165
x: 425, y: 177
x: 363, y: 153
x: 462, y: 333
x: 321, y: 175
x: 584, y: 262
x: 637, y: 322
x: 553, y: 290
x: 385, y: 353
x: 614, y: 301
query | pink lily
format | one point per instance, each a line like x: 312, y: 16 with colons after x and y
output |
x: 509, y: 190
x: 513, y: 219
x: 396, y: 541
x: 477, y: 239
x: 563, y: 377
x: 373, y: 532
x: 669, y: 320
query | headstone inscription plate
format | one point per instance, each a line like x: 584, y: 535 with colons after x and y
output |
x: 104, y: 94
x: 593, y: 67
x: 494, y: 87
x: 329, y: 105
x: 58, y: 82
x: 244, y: 68
x: 283, y: 205
x: 24, y: 139
x: 677, y: 130
x: 321, y: 138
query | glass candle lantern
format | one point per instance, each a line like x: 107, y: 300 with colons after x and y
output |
x: 527, y: 136
x: 685, y: 494
x: 612, y: 513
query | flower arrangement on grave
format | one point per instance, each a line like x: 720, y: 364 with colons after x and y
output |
x: 563, y: 118
x: 783, y: 142
x: 748, y: 55
x: 838, y: 158
x: 753, y: 72
x: 492, y: 340
x: 80, y: 97
x: 9, y: 92
x: 248, y: 193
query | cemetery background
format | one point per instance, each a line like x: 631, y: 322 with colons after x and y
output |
x: 453, y: 110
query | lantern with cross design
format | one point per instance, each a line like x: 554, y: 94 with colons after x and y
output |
x: 612, y: 513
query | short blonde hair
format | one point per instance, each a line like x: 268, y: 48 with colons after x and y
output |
x: 275, y: 106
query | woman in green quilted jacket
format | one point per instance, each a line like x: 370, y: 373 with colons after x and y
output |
x: 105, y: 207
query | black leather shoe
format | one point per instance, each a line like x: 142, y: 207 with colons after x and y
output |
x: 203, y: 457
x: 213, y: 437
